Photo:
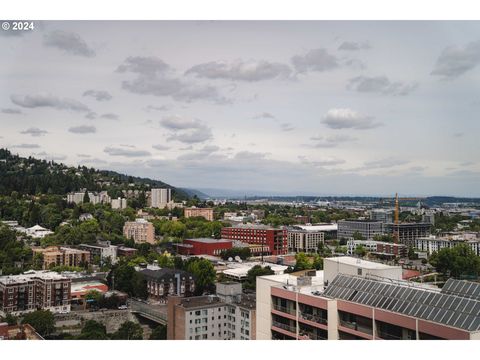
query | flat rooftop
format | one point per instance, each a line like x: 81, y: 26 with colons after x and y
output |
x: 364, y: 264
x: 210, y: 240
x: 323, y: 227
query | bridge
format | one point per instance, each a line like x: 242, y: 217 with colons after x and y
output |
x: 150, y: 312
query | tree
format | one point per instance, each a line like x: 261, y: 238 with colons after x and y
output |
x: 159, y: 333
x: 10, y: 319
x: 257, y: 270
x: 318, y: 262
x: 129, y: 331
x: 302, y: 262
x: 93, y: 330
x: 411, y: 254
x: 86, y: 197
x: 459, y: 261
x: 360, y: 251
x: 42, y: 320
x: 357, y: 236
x: 204, y: 274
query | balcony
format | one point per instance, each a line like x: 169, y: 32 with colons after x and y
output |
x: 314, y: 318
x: 307, y: 335
x: 387, y: 336
x: 286, y: 327
x: 284, y: 309
x: 357, y: 327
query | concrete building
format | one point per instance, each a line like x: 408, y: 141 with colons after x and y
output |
x: 383, y: 215
x: 163, y: 283
x: 62, y: 256
x: 34, y: 290
x: 275, y: 239
x: 367, y: 228
x: 204, y: 246
x: 353, y: 307
x: 355, y: 266
x: 161, y: 197
x: 102, y: 250
x: 140, y: 230
x: 119, y: 204
x: 379, y: 248
x: 230, y: 315
x: 206, y: 213
x: 300, y: 240
x: 409, y: 232
x: 38, y: 232
x: 95, y: 198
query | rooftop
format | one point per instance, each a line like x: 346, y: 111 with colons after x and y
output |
x: 30, y: 275
x: 210, y: 240
x: 322, y: 227
x: 201, y: 301
x: 364, y: 264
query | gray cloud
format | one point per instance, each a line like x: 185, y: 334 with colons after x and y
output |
x: 127, y: 152
x: 458, y: 134
x: 189, y: 131
x: 34, y: 131
x: 321, y: 162
x: 84, y: 155
x: 49, y: 156
x: 110, y: 116
x: 287, y: 127
x: 381, y: 85
x: 11, y: 111
x: 354, y: 45
x: 315, y: 60
x: 155, y: 77
x: 176, y: 122
x: 264, y: 115
x: 26, y: 146
x: 160, y: 147
x: 241, y: 70
x: 99, y: 95
x: 330, y: 141
x: 69, y: 42
x: 83, y: 129
x: 384, y: 163
x: 93, y: 161
x: 158, y: 108
x: 192, y: 136
x: 455, y: 61
x: 200, y: 154
x: 348, y: 119
x: 48, y: 100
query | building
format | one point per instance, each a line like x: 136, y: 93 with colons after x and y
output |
x: 379, y: 248
x: 95, y: 198
x: 34, y: 290
x: 161, y: 197
x: 82, y: 287
x: 119, y: 204
x: 365, y: 308
x: 206, y: 213
x: 204, y: 246
x: 126, y: 251
x: 355, y: 266
x: 366, y: 228
x: 238, y: 271
x: 62, y: 256
x: 300, y: 240
x: 275, y: 239
x: 18, y: 332
x: 228, y: 315
x: 165, y: 282
x: 383, y: 215
x: 140, y: 230
x: 433, y: 244
x: 409, y: 232
x: 428, y: 218
x: 103, y: 251
x: 38, y: 232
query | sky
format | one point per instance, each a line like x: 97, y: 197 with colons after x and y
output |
x: 284, y: 107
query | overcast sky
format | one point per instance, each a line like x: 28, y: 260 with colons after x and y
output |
x: 364, y: 108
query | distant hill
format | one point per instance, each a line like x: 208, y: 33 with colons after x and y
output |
x: 192, y: 192
x: 34, y: 176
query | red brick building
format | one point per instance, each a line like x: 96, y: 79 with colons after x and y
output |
x: 275, y: 239
x: 204, y: 246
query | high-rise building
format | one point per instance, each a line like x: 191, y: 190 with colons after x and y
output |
x: 300, y: 240
x: 366, y: 228
x: 408, y: 233
x: 140, y: 230
x: 206, y: 213
x: 103, y: 250
x: 161, y: 197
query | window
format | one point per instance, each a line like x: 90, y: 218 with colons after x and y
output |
x: 359, y: 271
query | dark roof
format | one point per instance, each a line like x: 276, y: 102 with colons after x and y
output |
x: 462, y: 288
x: 404, y: 298
x: 202, y: 302
x: 165, y: 274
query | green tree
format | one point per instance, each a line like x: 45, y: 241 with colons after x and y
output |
x: 159, y: 333
x: 411, y: 254
x: 302, y: 262
x: 10, y: 319
x: 318, y: 262
x: 93, y: 330
x: 357, y: 236
x: 86, y: 197
x: 360, y: 251
x: 204, y: 274
x: 459, y: 261
x: 42, y: 320
x: 128, y: 331
x: 257, y: 270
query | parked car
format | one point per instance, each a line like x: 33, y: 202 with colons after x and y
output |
x: 123, y: 307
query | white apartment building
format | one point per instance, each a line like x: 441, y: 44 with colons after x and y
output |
x: 434, y: 244
x: 119, y: 204
x: 161, y: 197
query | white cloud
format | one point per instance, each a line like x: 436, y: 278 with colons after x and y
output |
x: 348, y: 119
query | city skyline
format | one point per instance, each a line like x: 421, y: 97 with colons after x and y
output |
x: 321, y: 107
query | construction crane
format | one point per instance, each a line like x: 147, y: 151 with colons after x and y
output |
x: 396, y: 221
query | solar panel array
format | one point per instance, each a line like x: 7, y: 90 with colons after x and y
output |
x: 462, y: 288
x: 446, y: 309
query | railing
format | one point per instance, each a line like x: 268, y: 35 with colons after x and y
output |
x: 356, y: 327
x: 310, y: 335
x: 148, y: 310
x: 284, y: 309
x: 386, y: 336
x: 314, y: 318
x: 277, y: 324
